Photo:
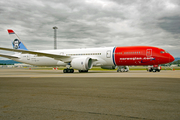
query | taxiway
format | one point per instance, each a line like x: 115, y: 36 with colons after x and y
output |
x: 48, y: 94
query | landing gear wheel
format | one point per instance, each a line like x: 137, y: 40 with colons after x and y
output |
x: 69, y: 70
x: 65, y: 71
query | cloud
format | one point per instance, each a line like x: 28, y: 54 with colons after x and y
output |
x: 92, y: 23
x: 171, y: 24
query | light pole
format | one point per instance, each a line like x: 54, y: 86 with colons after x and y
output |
x: 55, y: 42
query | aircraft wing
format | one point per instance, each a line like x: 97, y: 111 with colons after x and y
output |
x: 63, y: 58
x: 8, y: 56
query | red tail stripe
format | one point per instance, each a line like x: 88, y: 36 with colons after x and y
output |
x: 10, y: 31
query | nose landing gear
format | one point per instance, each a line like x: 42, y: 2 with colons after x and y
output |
x: 154, y: 68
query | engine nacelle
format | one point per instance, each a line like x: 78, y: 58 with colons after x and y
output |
x: 82, y: 63
x: 108, y: 67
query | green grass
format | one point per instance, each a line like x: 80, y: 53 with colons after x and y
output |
x: 168, y: 68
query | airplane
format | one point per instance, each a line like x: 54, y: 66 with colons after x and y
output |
x: 85, y: 58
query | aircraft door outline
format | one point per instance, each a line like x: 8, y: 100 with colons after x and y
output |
x: 149, y: 52
x: 28, y: 56
x: 108, y: 54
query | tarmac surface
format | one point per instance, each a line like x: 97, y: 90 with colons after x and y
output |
x: 48, y: 95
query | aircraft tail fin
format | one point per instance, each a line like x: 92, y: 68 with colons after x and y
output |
x: 17, y: 43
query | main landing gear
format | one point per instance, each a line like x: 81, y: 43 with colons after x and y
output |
x: 123, y: 69
x: 68, y: 71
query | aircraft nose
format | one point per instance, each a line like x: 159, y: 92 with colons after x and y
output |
x: 171, y: 58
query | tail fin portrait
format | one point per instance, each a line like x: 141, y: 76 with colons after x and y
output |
x: 17, y: 43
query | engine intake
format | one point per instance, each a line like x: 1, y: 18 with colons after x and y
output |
x: 82, y: 63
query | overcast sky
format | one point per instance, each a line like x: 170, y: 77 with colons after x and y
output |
x: 92, y: 23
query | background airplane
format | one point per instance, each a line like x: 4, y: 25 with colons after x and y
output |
x: 84, y: 59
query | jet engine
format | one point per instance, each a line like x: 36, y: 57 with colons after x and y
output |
x: 108, y: 67
x: 82, y: 63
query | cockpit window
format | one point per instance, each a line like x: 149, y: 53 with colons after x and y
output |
x: 163, y: 52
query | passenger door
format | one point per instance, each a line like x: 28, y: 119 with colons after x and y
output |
x: 108, y: 54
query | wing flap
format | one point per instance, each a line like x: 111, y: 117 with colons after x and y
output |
x: 8, y: 56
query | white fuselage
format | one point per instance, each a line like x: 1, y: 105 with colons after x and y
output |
x: 103, y: 56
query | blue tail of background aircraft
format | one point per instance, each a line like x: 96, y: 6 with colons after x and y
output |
x: 17, y: 43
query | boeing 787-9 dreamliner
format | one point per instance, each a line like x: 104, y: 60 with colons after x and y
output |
x: 84, y: 59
